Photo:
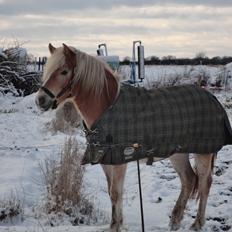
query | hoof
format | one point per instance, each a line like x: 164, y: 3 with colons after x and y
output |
x: 197, y: 225
x: 115, y: 228
x: 174, y: 226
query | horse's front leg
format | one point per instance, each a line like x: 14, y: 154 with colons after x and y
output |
x: 115, y: 178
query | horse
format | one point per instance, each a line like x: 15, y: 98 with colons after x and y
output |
x: 92, y: 86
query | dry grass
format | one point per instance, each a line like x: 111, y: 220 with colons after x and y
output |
x: 165, y: 81
x: 11, y: 207
x: 64, y: 184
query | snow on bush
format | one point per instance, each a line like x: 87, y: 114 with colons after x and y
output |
x: 14, y: 77
x: 163, y: 76
x: 10, y: 208
x: 66, y: 119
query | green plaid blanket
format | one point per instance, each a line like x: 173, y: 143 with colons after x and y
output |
x: 157, y: 123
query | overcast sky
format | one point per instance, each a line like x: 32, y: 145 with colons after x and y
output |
x: 180, y: 27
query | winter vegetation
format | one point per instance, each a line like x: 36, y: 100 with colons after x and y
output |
x: 11, y: 208
x: 43, y: 186
x: 66, y: 119
x: 63, y: 179
x: 213, y: 77
x: 15, y: 77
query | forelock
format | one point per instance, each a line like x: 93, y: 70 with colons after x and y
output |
x: 56, y: 60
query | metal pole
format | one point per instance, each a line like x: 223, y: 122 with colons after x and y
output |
x: 133, y: 62
x: 103, y: 45
x: 141, y: 197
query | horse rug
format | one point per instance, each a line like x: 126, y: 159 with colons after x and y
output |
x: 145, y: 123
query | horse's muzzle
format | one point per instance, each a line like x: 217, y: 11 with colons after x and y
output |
x: 44, y: 101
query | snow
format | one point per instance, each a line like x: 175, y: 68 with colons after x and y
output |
x: 2, y: 54
x: 21, y: 52
x: 25, y: 142
x: 229, y: 67
x: 162, y: 74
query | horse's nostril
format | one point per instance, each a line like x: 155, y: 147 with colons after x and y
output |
x: 41, y: 100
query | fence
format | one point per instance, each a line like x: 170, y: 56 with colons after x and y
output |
x: 40, y: 62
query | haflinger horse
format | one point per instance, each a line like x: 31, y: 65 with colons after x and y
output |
x: 93, y: 88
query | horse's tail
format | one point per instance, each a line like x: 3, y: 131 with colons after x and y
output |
x: 195, y: 189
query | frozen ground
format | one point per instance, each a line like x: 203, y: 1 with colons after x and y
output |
x: 25, y: 142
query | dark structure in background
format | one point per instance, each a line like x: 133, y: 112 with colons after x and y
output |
x: 172, y: 60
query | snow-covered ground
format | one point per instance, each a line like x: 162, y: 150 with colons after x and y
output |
x: 162, y: 75
x: 25, y: 143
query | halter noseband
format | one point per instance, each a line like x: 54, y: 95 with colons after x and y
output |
x: 48, y: 92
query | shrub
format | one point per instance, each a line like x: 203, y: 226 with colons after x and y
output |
x: 14, y: 75
x: 11, y: 207
x: 64, y: 186
x: 66, y: 119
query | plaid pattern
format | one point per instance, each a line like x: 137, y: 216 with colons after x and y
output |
x: 157, y: 123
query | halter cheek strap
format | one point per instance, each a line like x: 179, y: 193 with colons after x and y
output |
x: 68, y: 87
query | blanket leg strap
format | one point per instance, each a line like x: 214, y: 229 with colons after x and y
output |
x: 141, y: 197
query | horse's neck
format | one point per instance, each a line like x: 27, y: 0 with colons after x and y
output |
x: 91, y: 107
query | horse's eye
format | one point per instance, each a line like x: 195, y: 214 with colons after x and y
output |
x: 65, y: 72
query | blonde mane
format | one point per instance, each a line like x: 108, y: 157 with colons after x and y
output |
x: 90, y: 71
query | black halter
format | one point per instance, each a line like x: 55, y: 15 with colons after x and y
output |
x: 68, y: 87
x: 61, y: 93
x: 48, y: 92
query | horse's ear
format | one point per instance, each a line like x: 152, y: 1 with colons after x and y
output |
x: 70, y: 55
x: 51, y: 48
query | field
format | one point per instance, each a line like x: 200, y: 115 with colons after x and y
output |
x: 26, y: 141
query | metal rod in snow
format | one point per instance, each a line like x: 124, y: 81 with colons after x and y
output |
x: 141, y: 198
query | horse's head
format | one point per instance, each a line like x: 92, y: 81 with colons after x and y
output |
x: 57, y: 77
x: 87, y: 81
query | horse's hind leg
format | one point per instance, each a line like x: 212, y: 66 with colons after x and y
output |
x: 187, y: 176
x: 115, y: 178
x: 204, y: 165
